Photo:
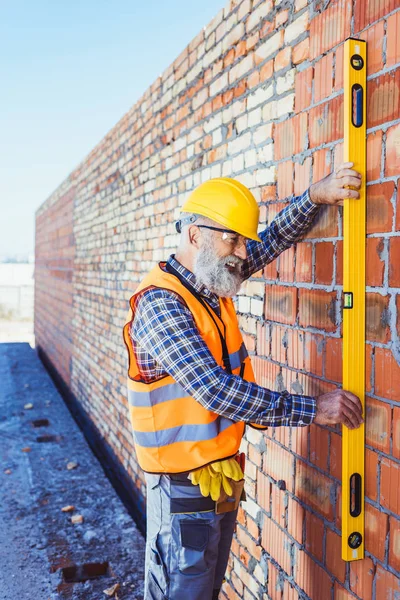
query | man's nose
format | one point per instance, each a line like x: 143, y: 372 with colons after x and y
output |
x: 241, y: 251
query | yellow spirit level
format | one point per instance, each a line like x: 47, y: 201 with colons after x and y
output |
x: 354, y: 234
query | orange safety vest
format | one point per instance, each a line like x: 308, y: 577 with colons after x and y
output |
x: 172, y: 431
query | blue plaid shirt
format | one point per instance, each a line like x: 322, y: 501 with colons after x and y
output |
x: 166, y: 340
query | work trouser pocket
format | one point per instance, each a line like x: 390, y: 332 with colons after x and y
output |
x: 157, y: 585
x: 195, y: 536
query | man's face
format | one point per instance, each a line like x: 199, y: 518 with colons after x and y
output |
x: 218, y: 264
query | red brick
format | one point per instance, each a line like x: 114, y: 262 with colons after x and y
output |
x: 263, y: 348
x: 253, y: 80
x: 273, y: 585
x: 278, y: 505
x: 383, y: 98
x: 398, y: 313
x: 263, y: 491
x: 283, y: 59
x: 266, y: 372
x: 377, y: 327
x: 396, y: 432
x: 387, y: 375
x: 299, y: 441
x: 333, y: 360
x: 266, y: 71
x: 303, y: 89
x: 339, y: 262
x: 376, y: 528
x: 296, y: 515
x: 368, y: 367
x: 387, y: 585
x: 379, y: 207
x: 323, y: 74
x: 369, y: 11
x: 278, y: 344
x: 285, y: 179
x: 305, y: 351
x: 314, y: 489
x: 247, y: 542
x: 394, y: 550
x: 392, y: 160
x: 361, y: 577
x: 339, y: 68
x: 330, y: 27
x: 319, y: 446
x: 304, y: 262
x: 289, y: 592
x: 334, y: 562
x: 341, y: 594
x: 377, y: 424
x: 321, y: 164
x: 301, y: 51
x: 286, y: 265
x: 314, y: 535
x: 392, y: 39
x: 390, y: 482
x: 302, y: 172
x: 317, y: 308
x: 279, y: 464
x: 375, y: 266
x: 249, y: 342
x: 374, y: 37
x: 335, y: 457
x: 374, y: 151
x: 275, y: 542
x: 280, y: 303
x: 311, y: 578
x: 326, y: 122
x: 371, y: 474
x: 324, y: 262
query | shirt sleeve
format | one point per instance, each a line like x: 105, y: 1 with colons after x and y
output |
x: 286, y: 228
x: 165, y: 328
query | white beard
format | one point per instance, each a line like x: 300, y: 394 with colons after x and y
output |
x: 211, y: 271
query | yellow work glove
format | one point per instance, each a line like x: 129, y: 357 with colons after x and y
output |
x: 211, y: 477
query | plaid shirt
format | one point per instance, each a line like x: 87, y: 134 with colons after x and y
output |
x: 166, y: 340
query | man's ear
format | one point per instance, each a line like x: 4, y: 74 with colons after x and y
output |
x: 194, y: 236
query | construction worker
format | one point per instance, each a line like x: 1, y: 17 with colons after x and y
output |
x: 191, y: 385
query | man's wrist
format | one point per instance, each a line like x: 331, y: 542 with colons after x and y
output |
x: 312, y: 192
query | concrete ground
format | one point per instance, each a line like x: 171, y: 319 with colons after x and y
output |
x: 17, y: 331
x: 43, y: 555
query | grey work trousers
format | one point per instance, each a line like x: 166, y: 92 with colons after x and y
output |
x: 187, y: 551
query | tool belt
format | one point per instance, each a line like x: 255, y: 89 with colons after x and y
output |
x: 227, y: 503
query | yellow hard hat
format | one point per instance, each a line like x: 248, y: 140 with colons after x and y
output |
x: 227, y: 202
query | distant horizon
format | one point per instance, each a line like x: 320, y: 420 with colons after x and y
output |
x: 60, y: 98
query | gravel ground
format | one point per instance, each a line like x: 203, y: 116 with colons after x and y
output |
x: 43, y: 555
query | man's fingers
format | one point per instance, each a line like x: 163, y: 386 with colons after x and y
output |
x: 348, y: 193
x: 348, y: 172
x: 353, y: 398
x: 345, y: 165
x: 356, y: 416
x: 351, y: 416
x: 352, y: 181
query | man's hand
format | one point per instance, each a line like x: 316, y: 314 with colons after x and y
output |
x: 332, y: 189
x: 337, y: 407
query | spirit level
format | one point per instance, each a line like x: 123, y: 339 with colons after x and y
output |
x: 354, y: 234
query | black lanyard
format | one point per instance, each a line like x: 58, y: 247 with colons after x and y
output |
x: 209, y: 309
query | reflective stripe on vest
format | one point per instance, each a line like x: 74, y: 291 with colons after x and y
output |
x: 238, y: 357
x: 185, y: 433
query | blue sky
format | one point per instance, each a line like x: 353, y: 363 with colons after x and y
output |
x: 69, y: 71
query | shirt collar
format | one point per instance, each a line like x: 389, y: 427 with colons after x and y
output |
x: 191, y: 279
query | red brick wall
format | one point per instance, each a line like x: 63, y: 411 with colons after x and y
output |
x: 257, y: 95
